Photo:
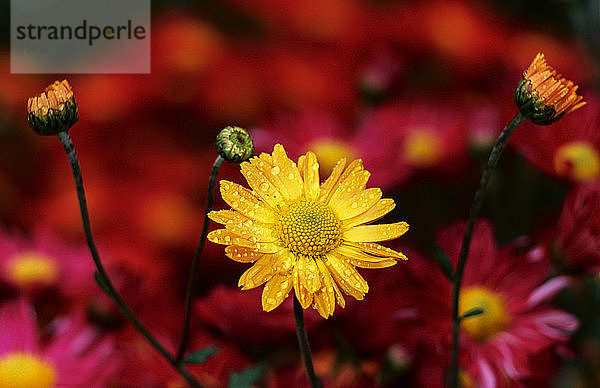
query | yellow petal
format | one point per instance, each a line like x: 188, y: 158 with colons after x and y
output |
x: 283, y: 261
x: 258, y: 274
x: 320, y: 304
x: 354, y: 166
x: 226, y: 237
x: 377, y: 250
x: 304, y: 296
x: 374, y: 233
x: 275, y: 291
x: 346, y: 276
x: 380, y: 209
x: 311, y: 177
x: 261, y: 185
x: 360, y: 259
x: 263, y: 156
x: 281, y: 172
x: 327, y: 187
x: 288, y: 173
x: 353, y: 206
x: 224, y: 217
x: 243, y: 226
x: 242, y: 254
x: 301, y: 166
x: 324, y: 299
x: 308, y: 273
x: 244, y: 201
x: 339, y: 296
x: 348, y: 188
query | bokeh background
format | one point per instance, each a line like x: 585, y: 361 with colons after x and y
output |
x: 418, y: 89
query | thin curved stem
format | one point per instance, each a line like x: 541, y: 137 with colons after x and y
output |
x: 185, y: 331
x: 314, y: 380
x: 107, y: 284
x: 474, y: 212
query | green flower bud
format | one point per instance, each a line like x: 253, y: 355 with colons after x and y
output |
x: 234, y: 144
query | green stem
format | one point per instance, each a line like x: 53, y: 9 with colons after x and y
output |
x: 185, y: 331
x: 110, y: 289
x: 474, y: 212
x: 304, y: 346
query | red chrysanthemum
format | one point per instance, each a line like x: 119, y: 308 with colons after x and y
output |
x: 570, y: 149
x: 578, y: 231
x: 396, y: 140
x: 518, y: 322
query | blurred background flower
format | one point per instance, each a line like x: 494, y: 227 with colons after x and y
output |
x: 419, y: 89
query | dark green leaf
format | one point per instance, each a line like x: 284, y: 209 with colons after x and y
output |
x: 199, y: 356
x: 101, y: 283
x: 443, y: 261
x: 247, y: 377
x: 472, y: 313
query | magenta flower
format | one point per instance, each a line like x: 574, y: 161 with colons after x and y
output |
x: 74, y: 356
x: 42, y: 262
x: 395, y: 141
x: 578, y: 229
x: 518, y: 322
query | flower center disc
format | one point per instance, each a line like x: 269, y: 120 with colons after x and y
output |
x: 21, y: 370
x: 30, y: 269
x: 578, y: 160
x: 309, y: 228
x: 494, y: 318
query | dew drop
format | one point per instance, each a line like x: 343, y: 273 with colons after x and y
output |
x: 290, y: 176
x: 264, y: 186
x: 275, y: 170
x: 354, y: 205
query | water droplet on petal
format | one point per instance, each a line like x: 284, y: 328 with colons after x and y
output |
x: 275, y: 170
x: 264, y: 186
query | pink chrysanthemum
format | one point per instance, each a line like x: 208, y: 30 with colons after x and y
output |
x: 570, y: 149
x: 321, y: 132
x: 402, y: 139
x: 42, y: 262
x: 578, y: 230
x: 396, y: 140
x: 73, y: 357
x: 518, y: 322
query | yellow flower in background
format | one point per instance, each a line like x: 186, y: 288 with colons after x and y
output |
x: 543, y: 95
x: 305, y: 235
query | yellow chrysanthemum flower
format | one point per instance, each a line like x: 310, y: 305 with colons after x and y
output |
x: 305, y: 235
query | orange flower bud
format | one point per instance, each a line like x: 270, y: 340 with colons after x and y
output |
x: 53, y: 111
x: 543, y: 95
